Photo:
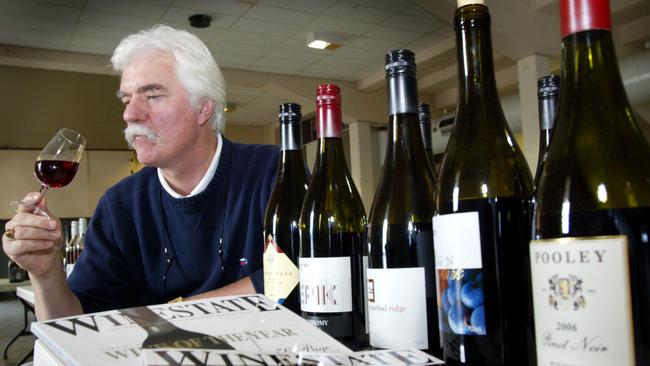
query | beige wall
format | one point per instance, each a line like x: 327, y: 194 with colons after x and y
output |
x: 252, y: 134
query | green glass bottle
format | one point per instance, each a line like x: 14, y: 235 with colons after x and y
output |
x: 590, y: 257
x: 333, y: 239
x: 424, y: 113
x: 482, y: 227
x: 400, y: 251
x: 281, y: 230
x: 548, y: 92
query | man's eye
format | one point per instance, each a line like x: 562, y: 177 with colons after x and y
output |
x: 126, y: 101
x: 152, y: 96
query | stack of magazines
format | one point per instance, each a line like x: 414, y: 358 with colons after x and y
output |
x: 229, y: 331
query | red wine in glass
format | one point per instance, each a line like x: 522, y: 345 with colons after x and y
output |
x: 55, y: 166
x: 55, y: 173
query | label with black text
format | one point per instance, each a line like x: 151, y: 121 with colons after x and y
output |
x: 581, y: 295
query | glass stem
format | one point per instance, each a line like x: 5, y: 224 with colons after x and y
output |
x: 44, y: 188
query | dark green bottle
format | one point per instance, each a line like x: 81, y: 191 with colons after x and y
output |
x: 590, y: 257
x: 482, y: 227
x: 281, y: 229
x: 424, y: 113
x: 334, y: 246
x: 548, y: 92
x: 400, y: 255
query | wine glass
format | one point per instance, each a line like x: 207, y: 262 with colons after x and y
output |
x: 55, y: 166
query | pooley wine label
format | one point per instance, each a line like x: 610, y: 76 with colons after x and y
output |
x: 459, y: 273
x: 581, y: 293
x: 280, y: 274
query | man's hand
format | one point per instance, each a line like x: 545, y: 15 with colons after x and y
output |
x: 34, y: 242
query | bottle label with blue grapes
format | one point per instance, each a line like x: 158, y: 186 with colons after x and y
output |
x: 582, y: 301
x: 459, y: 273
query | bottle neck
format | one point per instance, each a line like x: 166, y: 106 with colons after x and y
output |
x: 402, y: 94
x: 290, y: 136
x: 547, y: 107
x: 328, y: 118
x: 474, y: 54
x: 330, y: 154
x: 590, y: 73
x: 425, y: 131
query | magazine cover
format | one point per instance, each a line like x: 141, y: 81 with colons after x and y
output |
x: 246, y: 323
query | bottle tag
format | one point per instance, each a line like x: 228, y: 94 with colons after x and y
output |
x: 582, y: 301
x: 281, y: 275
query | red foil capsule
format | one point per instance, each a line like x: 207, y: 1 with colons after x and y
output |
x: 583, y: 15
x: 328, y: 111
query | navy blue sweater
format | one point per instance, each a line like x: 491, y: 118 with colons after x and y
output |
x: 124, y: 260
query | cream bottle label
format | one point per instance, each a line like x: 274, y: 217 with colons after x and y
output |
x: 281, y: 276
x: 582, y: 302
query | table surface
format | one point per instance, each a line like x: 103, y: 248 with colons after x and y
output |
x: 26, y: 293
x: 6, y: 286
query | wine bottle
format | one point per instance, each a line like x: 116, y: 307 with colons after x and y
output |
x: 590, y: 253
x: 69, y: 247
x: 281, y: 230
x: 402, y: 311
x: 482, y: 223
x: 161, y: 333
x: 424, y: 113
x: 333, y: 237
x: 548, y: 91
x: 15, y: 273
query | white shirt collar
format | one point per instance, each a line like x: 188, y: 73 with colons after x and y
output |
x: 204, y: 181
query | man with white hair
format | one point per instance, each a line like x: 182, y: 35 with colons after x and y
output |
x: 187, y: 225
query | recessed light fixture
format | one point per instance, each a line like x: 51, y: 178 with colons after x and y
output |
x: 323, y: 41
x: 200, y: 20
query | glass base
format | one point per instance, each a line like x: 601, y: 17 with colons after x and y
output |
x: 20, y: 206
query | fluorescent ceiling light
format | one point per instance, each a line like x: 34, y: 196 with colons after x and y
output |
x: 322, y: 41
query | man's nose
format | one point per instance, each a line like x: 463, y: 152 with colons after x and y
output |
x: 135, y: 110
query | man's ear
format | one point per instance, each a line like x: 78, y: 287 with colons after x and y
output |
x: 206, y: 111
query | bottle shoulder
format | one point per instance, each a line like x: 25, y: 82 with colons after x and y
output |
x: 404, y: 196
x: 482, y: 166
x: 595, y: 170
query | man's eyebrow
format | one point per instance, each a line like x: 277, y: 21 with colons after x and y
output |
x: 141, y: 89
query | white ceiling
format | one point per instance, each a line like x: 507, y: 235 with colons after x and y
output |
x: 267, y: 37
x: 264, y: 36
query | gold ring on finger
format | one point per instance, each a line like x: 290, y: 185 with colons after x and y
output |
x: 9, y: 233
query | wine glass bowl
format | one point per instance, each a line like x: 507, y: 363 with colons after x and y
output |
x: 55, y: 166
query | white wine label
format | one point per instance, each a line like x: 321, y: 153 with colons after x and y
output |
x: 325, y: 284
x: 281, y: 276
x: 459, y: 273
x: 582, y: 302
x: 365, y: 281
x: 397, y: 307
